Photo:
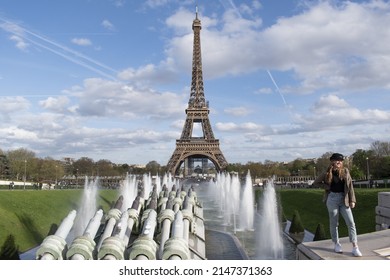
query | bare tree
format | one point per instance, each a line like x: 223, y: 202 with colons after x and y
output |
x: 380, y: 149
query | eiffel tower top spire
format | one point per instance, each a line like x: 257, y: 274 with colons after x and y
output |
x: 197, y: 99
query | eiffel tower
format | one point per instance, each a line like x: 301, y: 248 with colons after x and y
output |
x: 190, y: 148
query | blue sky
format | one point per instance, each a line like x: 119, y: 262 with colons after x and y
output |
x: 110, y: 79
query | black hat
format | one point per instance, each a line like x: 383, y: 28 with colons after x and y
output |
x: 337, y: 156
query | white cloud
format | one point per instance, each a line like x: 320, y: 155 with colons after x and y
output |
x: 233, y: 127
x: 119, y: 3
x: 19, y: 42
x: 108, y: 25
x: 333, y: 46
x: 58, y: 104
x: 264, y: 91
x: 148, y: 75
x: 17, y: 34
x: 333, y: 113
x: 103, y: 98
x: 156, y: 3
x: 178, y: 124
x: 329, y: 103
x: 11, y: 106
x: 326, y: 46
x: 14, y: 134
x: 81, y: 41
x: 237, y: 111
x: 250, y: 8
x: 179, y: 21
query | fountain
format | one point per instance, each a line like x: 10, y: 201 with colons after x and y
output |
x: 226, y: 191
x: 128, y: 190
x: 247, y: 205
x: 259, y: 232
x: 168, y: 223
x: 269, y: 238
x: 236, y: 202
x: 141, y: 232
x: 86, y: 210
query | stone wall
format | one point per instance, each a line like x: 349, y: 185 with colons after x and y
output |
x: 382, y: 211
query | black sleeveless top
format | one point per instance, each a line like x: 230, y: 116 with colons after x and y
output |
x: 337, y: 184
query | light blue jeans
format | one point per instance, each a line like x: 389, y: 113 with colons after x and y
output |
x: 336, y: 206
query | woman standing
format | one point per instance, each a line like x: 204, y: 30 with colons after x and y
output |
x: 340, y: 199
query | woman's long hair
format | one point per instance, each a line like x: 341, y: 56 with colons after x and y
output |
x: 329, y: 173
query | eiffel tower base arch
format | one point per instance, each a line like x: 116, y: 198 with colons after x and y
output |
x: 190, y: 151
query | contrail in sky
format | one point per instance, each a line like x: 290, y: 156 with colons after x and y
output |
x: 277, y: 88
x: 58, y: 49
x: 233, y: 6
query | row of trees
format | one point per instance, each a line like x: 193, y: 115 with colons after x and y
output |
x: 22, y: 164
x: 373, y: 163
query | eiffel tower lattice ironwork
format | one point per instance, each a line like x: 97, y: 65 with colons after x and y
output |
x: 189, y: 147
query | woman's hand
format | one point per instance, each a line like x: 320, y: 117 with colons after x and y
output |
x: 352, y: 204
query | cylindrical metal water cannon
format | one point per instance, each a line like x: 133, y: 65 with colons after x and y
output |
x: 82, y: 247
x: 113, y: 248
x: 112, y: 217
x: 163, y: 199
x: 188, y: 217
x: 164, y: 191
x: 160, y: 225
x: 172, y: 193
x: 165, y: 219
x: 183, y: 193
x: 133, y: 215
x: 176, y: 247
x: 53, y: 247
x: 144, y: 247
x: 177, y: 202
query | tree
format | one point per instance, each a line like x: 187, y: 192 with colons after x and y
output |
x: 48, y: 169
x: 378, y: 161
x: 323, y: 162
x: 153, y: 167
x: 105, y: 167
x: 235, y: 167
x: 4, y: 166
x: 83, y: 167
x: 320, y: 233
x: 382, y: 169
x: 122, y: 169
x: 256, y: 169
x: 9, y: 250
x: 272, y: 168
x: 297, y: 166
x: 380, y: 149
x: 296, y: 224
x: 356, y: 173
x: 20, y: 161
x: 360, y: 162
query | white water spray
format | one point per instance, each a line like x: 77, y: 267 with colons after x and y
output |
x: 129, y: 190
x: 247, y: 210
x: 269, y: 238
x: 87, y: 208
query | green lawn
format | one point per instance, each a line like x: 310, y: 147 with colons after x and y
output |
x: 29, y: 215
x: 308, y: 202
